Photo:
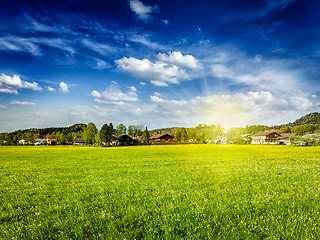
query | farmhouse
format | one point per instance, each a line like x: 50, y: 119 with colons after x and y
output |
x: 312, y: 135
x: 220, y: 140
x: 51, y: 141
x: 39, y: 141
x: 124, y: 140
x: 79, y: 141
x: 165, y: 137
x: 284, y: 138
x: 265, y: 138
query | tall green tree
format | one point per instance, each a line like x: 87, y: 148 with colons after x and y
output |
x: 121, y: 129
x: 178, y: 135
x: 106, y: 133
x: 90, y: 133
x: 145, y: 135
x: 184, y: 135
x: 131, y: 130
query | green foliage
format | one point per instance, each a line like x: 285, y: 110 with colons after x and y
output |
x: 121, y: 129
x: 160, y: 192
x: 145, y: 135
x: 90, y: 133
x: 311, y: 118
x: 106, y: 133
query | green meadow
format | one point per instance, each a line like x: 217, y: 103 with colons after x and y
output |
x: 160, y: 192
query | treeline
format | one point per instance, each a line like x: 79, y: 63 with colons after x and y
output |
x: 67, y: 135
x: 201, y: 134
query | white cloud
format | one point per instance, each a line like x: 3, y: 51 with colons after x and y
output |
x: 114, y: 95
x: 157, y: 99
x: 16, y: 102
x: 5, y: 90
x: 314, y: 96
x: 3, y: 106
x: 155, y: 72
x: 102, y: 65
x: 11, y: 84
x: 170, y: 69
x: 50, y: 89
x: 64, y: 87
x: 165, y: 22
x: 177, y: 59
x: 159, y: 83
x: 142, y: 83
x: 132, y: 88
x: 232, y: 109
x: 141, y: 10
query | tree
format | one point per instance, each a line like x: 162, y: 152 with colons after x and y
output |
x: 121, y: 129
x: 178, y: 135
x: 184, y: 135
x: 90, y: 133
x: 145, y: 135
x: 131, y: 130
x: 106, y: 133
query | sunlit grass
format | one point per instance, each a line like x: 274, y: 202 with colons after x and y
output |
x: 181, y: 191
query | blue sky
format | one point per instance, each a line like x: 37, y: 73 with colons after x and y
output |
x: 158, y: 63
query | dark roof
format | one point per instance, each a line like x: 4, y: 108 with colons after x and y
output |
x: 287, y: 135
x: 125, y: 138
x: 266, y: 134
x: 159, y: 136
x: 79, y: 140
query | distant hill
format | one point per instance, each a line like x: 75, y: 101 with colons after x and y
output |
x: 311, y: 118
x: 78, y: 127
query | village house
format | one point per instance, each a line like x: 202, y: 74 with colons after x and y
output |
x: 79, y: 141
x: 265, y: 138
x: 51, y: 141
x: 284, y: 138
x: 316, y: 136
x: 220, y: 140
x: 39, y: 141
x: 124, y: 140
x: 165, y: 137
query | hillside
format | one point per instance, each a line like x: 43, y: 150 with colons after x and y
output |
x: 311, y: 118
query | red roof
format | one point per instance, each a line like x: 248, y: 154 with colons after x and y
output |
x: 51, y: 140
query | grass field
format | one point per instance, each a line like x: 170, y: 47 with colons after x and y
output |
x: 160, y: 192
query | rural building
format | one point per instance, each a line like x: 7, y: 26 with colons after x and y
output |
x: 165, y: 137
x: 51, y: 141
x: 124, y: 140
x: 265, y: 138
x: 39, y: 141
x: 247, y: 138
x: 284, y: 138
x: 79, y: 141
x: 312, y: 135
x: 220, y: 140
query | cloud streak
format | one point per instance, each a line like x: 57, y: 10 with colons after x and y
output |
x: 23, y: 103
